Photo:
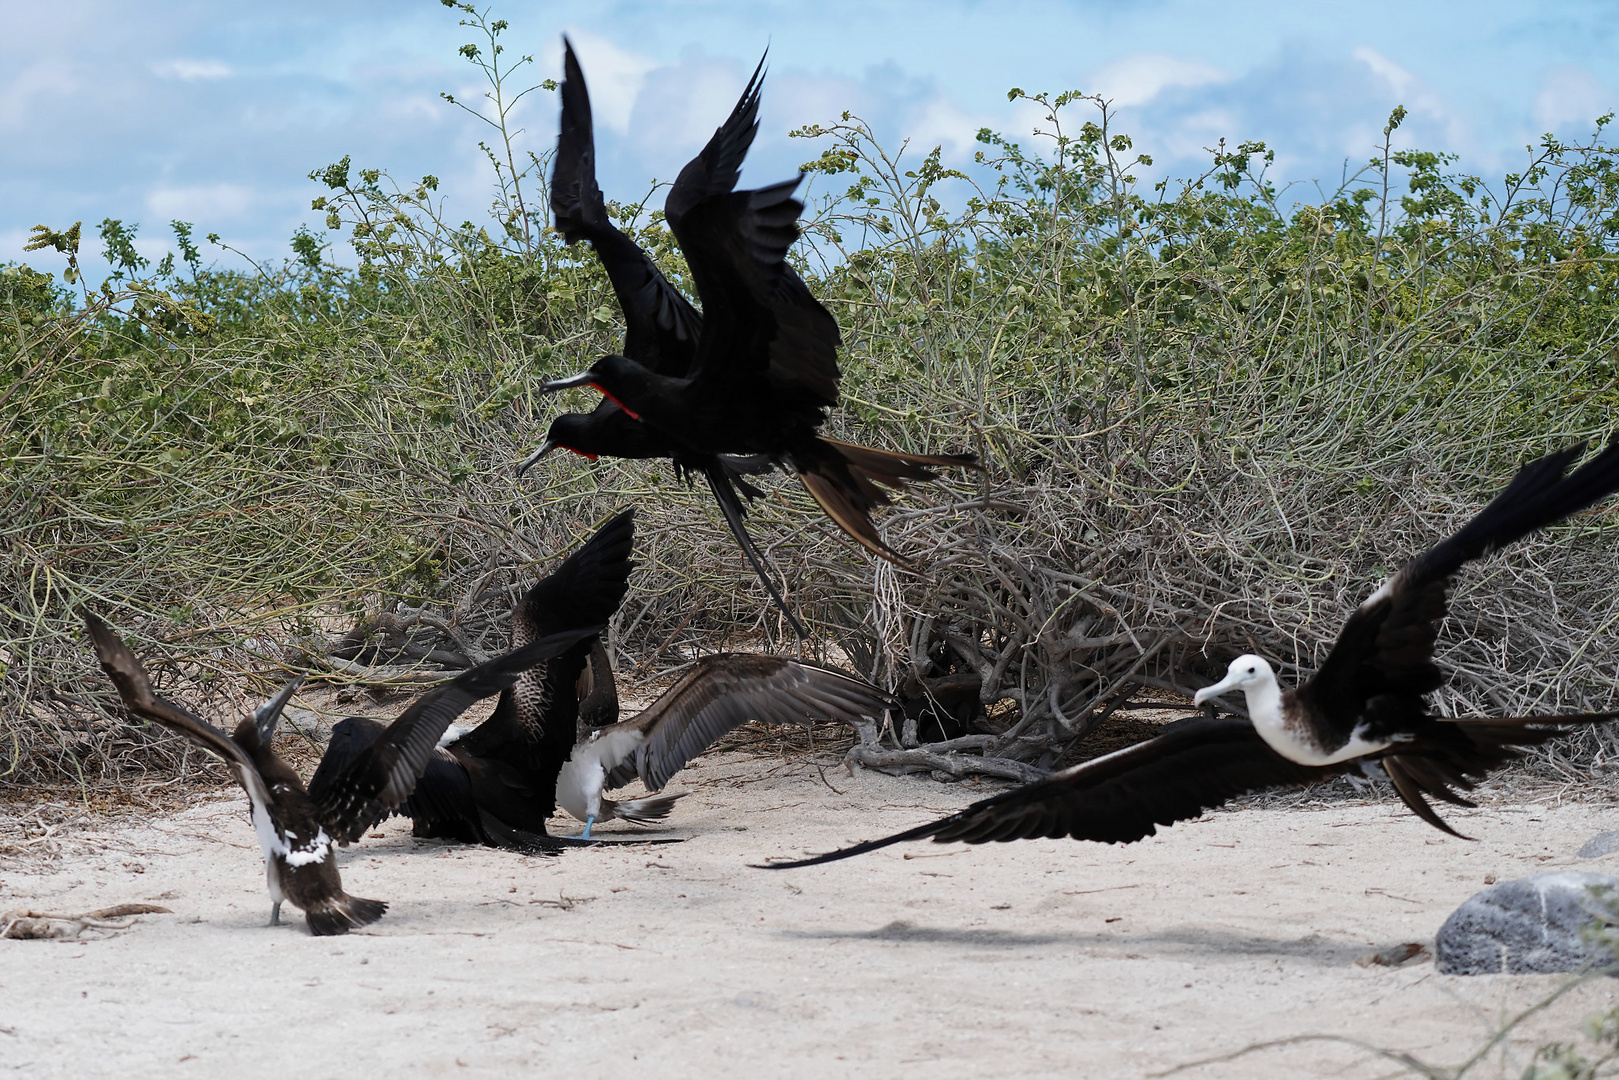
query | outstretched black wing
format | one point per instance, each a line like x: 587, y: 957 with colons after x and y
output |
x: 722, y: 692
x: 584, y: 590
x: 661, y: 326
x: 1382, y: 663
x: 1193, y: 766
x: 715, y: 169
x: 384, y: 774
x: 759, y: 319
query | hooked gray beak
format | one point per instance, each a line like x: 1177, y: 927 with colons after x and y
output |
x: 533, y: 459
x: 1214, y: 691
x: 266, y: 715
x: 584, y: 378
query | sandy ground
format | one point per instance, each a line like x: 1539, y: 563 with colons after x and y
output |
x: 1038, y: 958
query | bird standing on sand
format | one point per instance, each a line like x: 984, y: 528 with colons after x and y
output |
x: 716, y: 695
x: 1364, y: 706
x: 764, y: 370
x: 496, y: 784
x: 297, y: 828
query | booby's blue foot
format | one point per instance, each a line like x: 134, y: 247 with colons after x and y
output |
x: 589, y: 821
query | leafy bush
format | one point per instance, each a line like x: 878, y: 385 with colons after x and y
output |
x: 1211, y: 420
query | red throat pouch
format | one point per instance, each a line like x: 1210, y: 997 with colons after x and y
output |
x: 632, y: 414
x: 581, y: 453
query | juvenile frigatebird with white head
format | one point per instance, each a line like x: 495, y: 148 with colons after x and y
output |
x: 1365, y: 705
x: 297, y: 828
x: 716, y: 695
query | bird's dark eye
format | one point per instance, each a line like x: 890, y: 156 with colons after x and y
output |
x: 1252, y: 670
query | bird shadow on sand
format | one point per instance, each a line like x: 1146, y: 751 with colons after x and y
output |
x: 419, y: 847
x: 1314, y: 948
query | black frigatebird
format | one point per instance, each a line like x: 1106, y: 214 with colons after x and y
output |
x: 716, y: 695
x: 660, y: 325
x: 297, y: 828
x: 496, y: 784
x: 1365, y: 705
x: 764, y: 369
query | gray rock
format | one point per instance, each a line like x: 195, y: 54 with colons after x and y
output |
x: 1603, y: 843
x: 1531, y: 925
x: 307, y: 723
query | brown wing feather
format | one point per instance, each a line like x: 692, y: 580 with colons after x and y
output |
x: 135, y: 688
x: 835, y: 502
x: 844, y: 480
x: 722, y: 692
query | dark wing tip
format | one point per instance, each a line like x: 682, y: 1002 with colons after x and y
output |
x: 120, y: 664
x: 918, y: 833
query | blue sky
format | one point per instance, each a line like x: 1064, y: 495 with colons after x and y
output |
x: 214, y: 113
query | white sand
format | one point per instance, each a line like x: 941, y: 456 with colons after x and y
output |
x: 1044, y: 958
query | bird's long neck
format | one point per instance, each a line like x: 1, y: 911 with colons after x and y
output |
x: 1265, y: 710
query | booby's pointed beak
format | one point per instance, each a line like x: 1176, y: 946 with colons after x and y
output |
x: 584, y: 378
x: 533, y: 459
x: 267, y: 715
x: 1208, y: 692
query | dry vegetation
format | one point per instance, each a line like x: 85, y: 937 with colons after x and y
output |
x: 1213, y: 414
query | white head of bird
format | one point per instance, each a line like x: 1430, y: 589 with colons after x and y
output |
x: 1254, y: 677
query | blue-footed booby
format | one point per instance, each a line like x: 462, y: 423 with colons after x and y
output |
x: 716, y: 695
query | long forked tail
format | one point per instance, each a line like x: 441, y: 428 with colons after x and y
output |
x: 642, y: 811
x: 719, y: 482
x: 1465, y: 751
x: 343, y: 913
x: 847, y: 480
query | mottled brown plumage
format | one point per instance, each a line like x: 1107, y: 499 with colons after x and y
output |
x: 716, y: 695
x: 496, y: 784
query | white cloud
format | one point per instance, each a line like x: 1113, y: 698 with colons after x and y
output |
x: 1399, y: 80
x: 943, y: 123
x: 191, y: 70
x: 1141, y: 77
x: 1412, y: 92
x: 48, y: 78
x: 1570, y: 94
x: 615, y: 77
x: 681, y: 105
x: 208, y: 204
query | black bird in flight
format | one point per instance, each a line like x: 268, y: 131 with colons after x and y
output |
x: 660, y: 325
x: 1365, y: 705
x: 763, y: 370
x: 496, y: 784
x: 715, y: 696
x: 297, y: 829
